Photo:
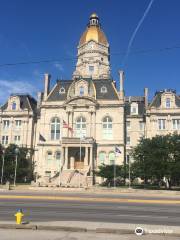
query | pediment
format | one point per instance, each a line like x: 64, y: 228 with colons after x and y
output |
x: 80, y: 101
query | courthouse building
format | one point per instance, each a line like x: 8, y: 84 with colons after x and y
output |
x: 76, y: 125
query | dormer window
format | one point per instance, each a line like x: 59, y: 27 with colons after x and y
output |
x: 168, y: 102
x: 62, y: 90
x: 134, y: 108
x: 103, y: 89
x: 14, y: 106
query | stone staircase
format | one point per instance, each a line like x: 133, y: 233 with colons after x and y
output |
x: 70, y: 178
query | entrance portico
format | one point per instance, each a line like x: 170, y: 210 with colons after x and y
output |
x: 77, y: 153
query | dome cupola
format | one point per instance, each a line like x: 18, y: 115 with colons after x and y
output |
x: 93, y: 32
x: 93, y: 52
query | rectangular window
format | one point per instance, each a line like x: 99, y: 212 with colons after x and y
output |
x: 107, y: 134
x: 128, y: 140
x: 176, y: 124
x: 17, y: 139
x: 161, y: 124
x: 134, y: 109
x: 91, y: 69
x: 4, y: 140
x: 48, y: 174
x: 6, y: 123
x: 141, y: 126
x: 18, y: 123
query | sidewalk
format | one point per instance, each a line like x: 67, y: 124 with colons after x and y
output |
x: 97, y: 227
x: 95, y: 191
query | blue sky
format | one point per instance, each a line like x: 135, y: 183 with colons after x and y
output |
x: 39, y: 30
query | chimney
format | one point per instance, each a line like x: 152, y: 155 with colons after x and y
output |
x: 47, y: 78
x: 146, y: 97
x: 39, y: 99
x: 121, y: 79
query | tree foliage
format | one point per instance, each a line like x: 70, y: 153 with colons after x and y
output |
x: 24, y: 166
x: 109, y: 171
x: 157, y: 159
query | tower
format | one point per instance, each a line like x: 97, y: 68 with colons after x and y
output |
x: 93, y: 52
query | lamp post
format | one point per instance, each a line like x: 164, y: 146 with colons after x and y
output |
x: 129, y: 173
x: 15, y: 171
x: 2, y: 170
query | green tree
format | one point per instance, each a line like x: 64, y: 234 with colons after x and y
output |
x: 107, y: 172
x: 158, y: 159
x: 24, y: 166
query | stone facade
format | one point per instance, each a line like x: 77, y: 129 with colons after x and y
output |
x: 75, y: 126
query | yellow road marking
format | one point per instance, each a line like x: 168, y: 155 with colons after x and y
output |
x: 115, y: 200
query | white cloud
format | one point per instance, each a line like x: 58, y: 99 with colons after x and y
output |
x: 59, y: 66
x: 8, y: 87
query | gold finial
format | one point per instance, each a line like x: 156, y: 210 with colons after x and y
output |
x: 94, y: 15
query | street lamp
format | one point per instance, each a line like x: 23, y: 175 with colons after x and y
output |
x: 16, y: 153
x: 2, y: 170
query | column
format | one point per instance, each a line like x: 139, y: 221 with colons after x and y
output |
x: 91, y: 158
x: 90, y: 125
x: 86, y: 157
x: 68, y: 113
x: 94, y: 124
x: 66, y: 158
x: 72, y: 120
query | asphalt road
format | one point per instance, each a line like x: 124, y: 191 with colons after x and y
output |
x: 124, y: 208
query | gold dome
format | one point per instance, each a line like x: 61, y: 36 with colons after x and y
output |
x: 93, y: 32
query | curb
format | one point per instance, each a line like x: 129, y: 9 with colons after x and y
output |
x: 119, y: 231
x: 114, y: 231
x: 61, y: 228
x: 19, y: 226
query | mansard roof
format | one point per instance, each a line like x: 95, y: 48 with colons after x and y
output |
x: 156, y: 102
x: 111, y: 93
x: 54, y: 94
x: 26, y: 102
x: 139, y: 100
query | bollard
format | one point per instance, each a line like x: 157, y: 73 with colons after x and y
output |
x: 8, y: 185
x: 19, y: 215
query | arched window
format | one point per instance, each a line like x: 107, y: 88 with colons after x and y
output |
x: 111, y: 158
x: 81, y: 91
x: 62, y: 90
x: 80, y: 127
x: 49, y: 157
x: 102, y: 157
x: 107, y: 128
x: 58, y: 156
x: 14, y: 106
x: 55, y: 129
x: 103, y: 89
x: 168, y: 102
x: 58, y: 159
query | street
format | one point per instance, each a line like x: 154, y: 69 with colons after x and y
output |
x: 113, y: 208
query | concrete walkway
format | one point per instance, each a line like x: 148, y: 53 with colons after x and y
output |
x: 96, y: 227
